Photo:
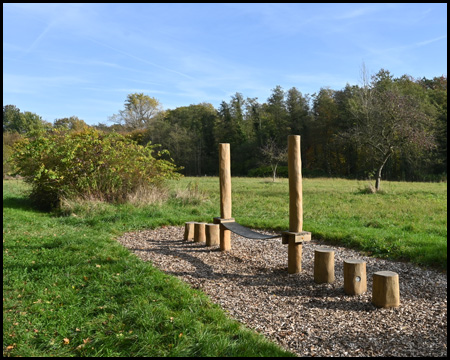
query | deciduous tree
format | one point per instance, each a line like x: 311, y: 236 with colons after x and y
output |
x: 389, y: 120
x: 139, y: 112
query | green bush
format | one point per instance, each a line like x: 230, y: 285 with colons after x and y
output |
x: 88, y: 164
x: 9, y: 138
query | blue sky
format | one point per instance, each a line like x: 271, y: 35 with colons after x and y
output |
x: 61, y: 60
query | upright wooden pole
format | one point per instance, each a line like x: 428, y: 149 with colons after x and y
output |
x: 295, y: 203
x: 295, y: 184
x: 225, y: 181
x: 225, y: 193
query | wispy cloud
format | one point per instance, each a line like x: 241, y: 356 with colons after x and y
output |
x: 128, y: 54
x: 39, y: 38
x: 430, y: 41
x: 24, y: 84
x: 361, y: 11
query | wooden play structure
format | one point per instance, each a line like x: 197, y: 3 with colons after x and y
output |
x: 385, y: 283
x: 295, y: 236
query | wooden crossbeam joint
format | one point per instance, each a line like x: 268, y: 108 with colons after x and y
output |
x: 295, y: 237
x: 219, y: 220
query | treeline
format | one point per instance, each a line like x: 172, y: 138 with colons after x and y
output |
x: 390, y: 127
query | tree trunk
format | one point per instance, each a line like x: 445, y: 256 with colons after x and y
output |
x: 274, y: 172
x: 378, y: 179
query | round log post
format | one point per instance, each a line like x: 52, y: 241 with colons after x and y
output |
x: 295, y: 203
x: 225, y: 181
x: 323, y: 266
x: 385, y: 289
x: 199, y: 232
x: 225, y: 193
x: 294, y: 257
x: 212, y: 234
x: 189, y: 230
x: 355, y: 281
x: 295, y: 184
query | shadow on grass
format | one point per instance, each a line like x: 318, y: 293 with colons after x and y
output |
x: 18, y: 203
x: 21, y: 203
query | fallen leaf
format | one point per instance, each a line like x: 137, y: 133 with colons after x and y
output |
x: 66, y: 341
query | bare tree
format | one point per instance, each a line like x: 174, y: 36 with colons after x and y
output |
x: 273, y: 155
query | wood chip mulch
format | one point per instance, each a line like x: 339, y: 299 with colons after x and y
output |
x: 252, y: 285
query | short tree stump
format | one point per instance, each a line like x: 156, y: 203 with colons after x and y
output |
x: 189, y: 230
x: 199, y: 232
x: 323, y: 266
x: 355, y: 280
x: 386, y: 290
x: 212, y: 234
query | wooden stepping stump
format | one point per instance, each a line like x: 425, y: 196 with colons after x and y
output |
x: 355, y: 280
x: 323, y: 266
x: 385, y: 290
x: 189, y: 230
x: 199, y: 232
x: 225, y: 234
x: 212, y: 234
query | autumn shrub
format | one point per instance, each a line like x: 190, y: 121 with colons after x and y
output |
x: 89, y: 164
x: 9, y: 138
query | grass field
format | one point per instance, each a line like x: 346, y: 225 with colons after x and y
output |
x: 407, y: 221
x: 69, y: 289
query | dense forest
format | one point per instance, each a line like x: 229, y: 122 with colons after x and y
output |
x: 390, y: 128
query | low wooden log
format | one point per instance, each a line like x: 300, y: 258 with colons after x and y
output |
x: 199, y: 232
x: 323, y: 266
x: 385, y: 289
x: 189, y: 230
x: 212, y: 234
x: 355, y: 280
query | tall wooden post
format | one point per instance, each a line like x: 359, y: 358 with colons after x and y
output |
x: 225, y: 181
x: 225, y: 194
x: 295, y: 184
x: 295, y: 236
